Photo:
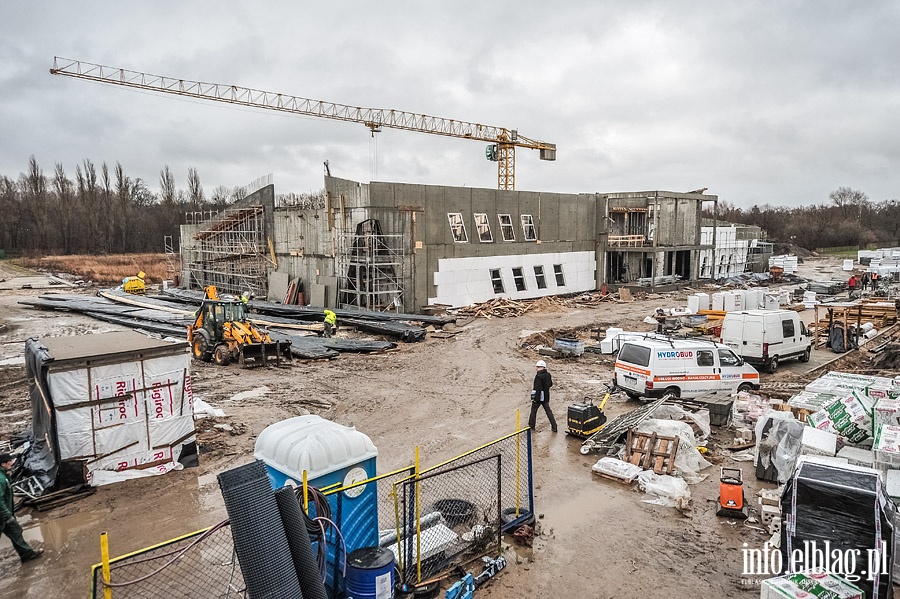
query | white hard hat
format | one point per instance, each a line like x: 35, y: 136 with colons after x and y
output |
x: 541, y: 364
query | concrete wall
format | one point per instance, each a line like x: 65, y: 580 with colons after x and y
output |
x: 570, y: 229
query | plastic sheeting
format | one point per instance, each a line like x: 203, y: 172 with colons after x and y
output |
x: 780, y: 445
x: 669, y: 491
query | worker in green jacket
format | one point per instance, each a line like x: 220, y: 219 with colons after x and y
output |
x: 330, y: 322
x: 10, y: 526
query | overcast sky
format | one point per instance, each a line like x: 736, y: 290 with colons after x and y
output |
x: 761, y: 102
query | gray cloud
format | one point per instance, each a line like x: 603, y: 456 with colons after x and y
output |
x: 759, y: 101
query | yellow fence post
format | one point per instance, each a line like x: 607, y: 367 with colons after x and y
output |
x: 104, y: 557
x: 306, y: 494
x: 518, y: 451
x: 418, y: 524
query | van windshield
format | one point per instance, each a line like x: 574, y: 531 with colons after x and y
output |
x: 635, y: 354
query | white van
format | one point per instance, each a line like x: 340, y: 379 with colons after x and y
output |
x: 685, y: 368
x: 766, y: 337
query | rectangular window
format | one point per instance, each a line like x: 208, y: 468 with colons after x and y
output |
x: 496, y: 280
x: 705, y: 358
x: 539, y: 277
x: 519, y: 278
x: 483, y: 227
x: 457, y: 228
x: 727, y: 358
x: 507, y: 231
x: 787, y: 328
x: 560, y: 278
x: 528, y: 228
x: 634, y: 354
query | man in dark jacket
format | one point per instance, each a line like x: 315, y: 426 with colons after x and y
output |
x: 540, y: 395
x: 8, y: 522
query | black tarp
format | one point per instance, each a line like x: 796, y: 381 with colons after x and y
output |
x: 848, y: 508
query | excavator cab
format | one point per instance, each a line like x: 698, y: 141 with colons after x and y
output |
x: 222, y: 333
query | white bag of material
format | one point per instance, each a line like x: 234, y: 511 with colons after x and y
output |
x: 203, y: 409
x: 688, y: 461
x: 616, y: 468
x: 668, y: 491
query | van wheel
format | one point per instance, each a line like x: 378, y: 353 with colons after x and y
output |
x: 674, y: 391
x: 632, y: 395
x: 745, y: 388
x: 773, y: 364
x: 805, y: 356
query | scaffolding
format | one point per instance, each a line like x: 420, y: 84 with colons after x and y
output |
x: 171, y: 259
x: 230, y: 253
x: 370, y: 267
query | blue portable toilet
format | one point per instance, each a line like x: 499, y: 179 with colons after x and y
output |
x: 331, y: 454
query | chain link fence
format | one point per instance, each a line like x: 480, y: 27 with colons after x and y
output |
x: 449, y: 514
x: 199, y: 565
x: 457, y: 511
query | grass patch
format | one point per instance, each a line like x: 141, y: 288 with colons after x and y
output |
x: 102, y: 269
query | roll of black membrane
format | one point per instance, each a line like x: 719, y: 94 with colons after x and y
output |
x: 301, y: 549
x: 259, y: 538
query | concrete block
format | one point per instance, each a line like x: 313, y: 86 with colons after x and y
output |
x: 768, y: 513
x: 818, y: 442
x: 770, y: 500
x: 857, y: 456
x: 775, y: 526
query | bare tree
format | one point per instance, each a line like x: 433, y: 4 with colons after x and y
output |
x: 65, y: 206
x: 37, y: 208
x: 850, y: 201
x: 123, y: 213
x: 166, y: 186
x: 195, y: 189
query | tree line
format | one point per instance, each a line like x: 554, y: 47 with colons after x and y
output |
x: 99, y: 211
x: 104, y: 211
x: 849, y: 218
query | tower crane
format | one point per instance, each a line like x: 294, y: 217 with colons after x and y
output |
x: 502, y: 142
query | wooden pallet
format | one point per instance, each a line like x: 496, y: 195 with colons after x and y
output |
x: 651, y: 451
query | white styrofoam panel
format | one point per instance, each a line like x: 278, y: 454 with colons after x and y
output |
x: 462, y: 281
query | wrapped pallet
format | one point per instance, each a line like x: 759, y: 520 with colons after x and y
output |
x: 110, y: 406
x: 844, y: 508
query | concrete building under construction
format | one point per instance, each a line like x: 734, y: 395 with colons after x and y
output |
x: 403, y: 246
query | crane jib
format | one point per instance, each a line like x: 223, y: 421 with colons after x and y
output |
x: 373, y: 118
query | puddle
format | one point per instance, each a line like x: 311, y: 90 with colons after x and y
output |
x: 14, y: 361
x: 55, y: 533
x: 252, y: 393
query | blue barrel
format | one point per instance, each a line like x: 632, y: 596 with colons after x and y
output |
x: 370, y: 573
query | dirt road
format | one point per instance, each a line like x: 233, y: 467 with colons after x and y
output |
x: 445, y: 396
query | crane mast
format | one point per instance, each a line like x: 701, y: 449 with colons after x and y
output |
x: 503, y: 142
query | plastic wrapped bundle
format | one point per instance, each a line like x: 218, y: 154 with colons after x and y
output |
x: 845, y: 509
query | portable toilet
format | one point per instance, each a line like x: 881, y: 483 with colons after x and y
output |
x: 332, y: 455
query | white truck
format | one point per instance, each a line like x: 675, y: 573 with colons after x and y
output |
x: 766, y: 337
x: 657, y: 365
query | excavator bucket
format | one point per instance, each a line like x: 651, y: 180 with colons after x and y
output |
x: 264, y: 354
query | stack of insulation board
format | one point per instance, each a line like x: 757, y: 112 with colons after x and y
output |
x: 118, y: 403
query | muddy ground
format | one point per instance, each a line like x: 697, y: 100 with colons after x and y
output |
x: 448, y: 395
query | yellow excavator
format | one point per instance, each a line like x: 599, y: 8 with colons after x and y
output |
x: 222, y: 333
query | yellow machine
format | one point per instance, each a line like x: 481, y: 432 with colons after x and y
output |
x: 136, y: 284
x: 221, y: 332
